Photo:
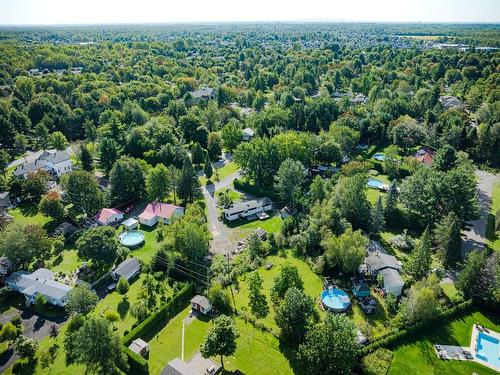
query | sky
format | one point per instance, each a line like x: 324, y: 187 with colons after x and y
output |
x: 52, y: 12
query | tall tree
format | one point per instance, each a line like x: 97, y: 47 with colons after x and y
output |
x: 330, y: 347
x: 22, y: 244
x: 258, y: 303
x: 51, y: 205
x: 109, y: 152
x: 82, y: 190
x: 345, y: 252
x: 99, y: 348
x: 391, y: 201
x: 158, y: 186
x: 214, y: 146
x: 58, y: 141
x: 86, y: 158
x: 189, y: 187
x: 197, y: 155
x: 231, y: 135
x: 445, y: 159
x: 289, y: 180
x: 127, y: 179
x: 99, y: 245
x: 447, y: 239
x: 295, y: 314
x: 377, y: 222
x: 208, y: 168
x: 42, y: 136
x: 419, y: 262
x: 287, y: 278
x: 81, y: 301
x: 220, y: 339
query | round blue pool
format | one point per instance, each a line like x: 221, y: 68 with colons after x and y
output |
x: 374, y: 183
x: 131, y: 238
x: 379, y: 156
x: 335, y: 300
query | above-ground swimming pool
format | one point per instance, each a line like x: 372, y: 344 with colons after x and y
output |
x: 374, y: 183
x: 335, y: 300
x: 131, y: 238
x: 379, y: 156
x: 488, y: 349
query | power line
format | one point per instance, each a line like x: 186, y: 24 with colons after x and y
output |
x: 186, y: 271
x: 185, y: 267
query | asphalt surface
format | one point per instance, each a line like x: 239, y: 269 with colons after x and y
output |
x: 474, y: 237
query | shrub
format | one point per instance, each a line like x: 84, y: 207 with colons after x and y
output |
x: 377, y: 363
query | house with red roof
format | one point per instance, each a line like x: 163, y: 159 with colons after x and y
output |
x: 425, y: 155
x: 159, y: 211
x: 108, y: 216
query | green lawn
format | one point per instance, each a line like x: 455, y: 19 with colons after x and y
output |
x: 225, y: 171
x: 150, y: 246
x: 313, y: 284
x: 27, y: 213
x: 417, y: 356
x: 378, y: 321
x: 271, y: 225
x: 450, y: 290
x: 257, y: 352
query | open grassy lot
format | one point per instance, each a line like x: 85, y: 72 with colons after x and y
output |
x: 270, y: 225
x: 313, y: 284
x: 417, y: 356
x: 257, y: 352
x: 378, y: 322
x: 224, y: 171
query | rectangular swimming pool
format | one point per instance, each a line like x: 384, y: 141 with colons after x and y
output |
x: 488, y: 349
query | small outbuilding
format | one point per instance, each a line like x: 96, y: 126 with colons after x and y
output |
x: 4, y: 200
x: 127, y: 269
x: 140, y: 347
x: 130, y: 224
x: 201, y: 304
x: 108, y: 216
x: 247, y: 134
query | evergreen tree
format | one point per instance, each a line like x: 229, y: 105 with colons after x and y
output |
x: 377, y: 217
x: 391, y: 201
x: 419, y: 263
x: 42, y: 136
x: 109, y: 153
x: 197, y: 156
x: 86, y: 158
x: 447, y: 239
x: 208, y: 168
x: 446, y: 158
x: 189, y: 187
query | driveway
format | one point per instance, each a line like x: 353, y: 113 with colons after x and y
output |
x: 474, y: 237
x: 33, y: 155
x: 222, y: 241
x: 34, y: 327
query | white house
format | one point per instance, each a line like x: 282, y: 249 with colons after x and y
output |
x: 108, y: 216
x: 55, y: 162
x: 39, y: 282
x: 247, y: 134
x: 158, y: 211
x: 205, y: 93
x: 248, y: 208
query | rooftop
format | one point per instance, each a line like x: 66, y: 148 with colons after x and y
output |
x: 160, y: 209
x: 128, y: 268
x: 247, y: 205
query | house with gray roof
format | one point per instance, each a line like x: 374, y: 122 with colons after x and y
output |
x: 4, y: 200
x: 245, y: 209
x: 197, y: 365
x: 205, y: 93
x: 40, y: 282
x: 53, y: 161
x: 247, y: 134
x: 451, y: 102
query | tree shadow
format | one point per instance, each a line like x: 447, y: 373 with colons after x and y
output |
x: 123, y: 307
x: 24, y: 368
x: 28, y: 208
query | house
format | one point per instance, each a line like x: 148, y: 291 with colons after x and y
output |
x: 286, y: 212
x: 379, y: 262
x: 201, y: 304
x: 425, y: 155
x: 247, y: 134
x: 205, y: 93
x: 241, y: 210
x: 127, y: 269
x: 130, y: 224
x: 451, y: 102
x: 40, y: 282
x: 197, y: 365
x: 55, y: 162
x: 158, y: 211
x: 4, y: 201
x: 139, y: 347
x: 108, y: 216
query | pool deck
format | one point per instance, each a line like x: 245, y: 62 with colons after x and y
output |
x: 473, y: 345
x: 457, y: 353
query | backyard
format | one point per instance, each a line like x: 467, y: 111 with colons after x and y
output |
x: 417, y: 356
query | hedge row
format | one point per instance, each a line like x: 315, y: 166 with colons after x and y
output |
x: 165, y: 313
x: 393, y: 339
x: 254, y: 190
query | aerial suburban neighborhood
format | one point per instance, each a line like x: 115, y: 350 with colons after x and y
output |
x: 260, y: 198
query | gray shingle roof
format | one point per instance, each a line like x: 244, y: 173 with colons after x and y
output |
x: 378, y: 261
x: 54, y: 157
x: 202, y: 93
x: 202, y: 301
x: 391, y: 277
x: 128, y: 268
x: 39, y: 281
x: 30, y: 167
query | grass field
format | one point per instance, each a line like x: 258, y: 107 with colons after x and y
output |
x: 417, y: 356
x: 313, y: 284
x: 257, y: 352
x: 224, y: 171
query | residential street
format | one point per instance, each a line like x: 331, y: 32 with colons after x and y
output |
x: 221, y: 243
x: 474, y: 237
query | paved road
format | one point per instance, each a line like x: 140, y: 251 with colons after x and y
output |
x: 33, y: 155
x: 222, y: 241
x: 34, y: 326
x: 474, y: 237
